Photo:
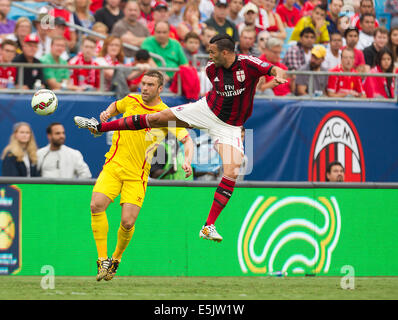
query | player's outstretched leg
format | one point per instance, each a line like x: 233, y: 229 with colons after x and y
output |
x: 160, y: 119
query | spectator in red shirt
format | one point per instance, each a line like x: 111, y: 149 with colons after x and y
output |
x: 86, y: 78
x: 275, y: 27
x: 351, y: 36
x: 8, y: 52
x: 146, y: 10
x: 345, y: 86
x: 289, y: 14
x: 273, y: 50
x: 365, y: 7
x: 379, y: 87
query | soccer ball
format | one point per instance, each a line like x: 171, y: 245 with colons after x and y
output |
x: 44, y: 102
x: 7, y: 230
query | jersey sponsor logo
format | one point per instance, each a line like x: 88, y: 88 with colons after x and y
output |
x: 336, y: 139
x: 240, y: 75
x: 293, y: 234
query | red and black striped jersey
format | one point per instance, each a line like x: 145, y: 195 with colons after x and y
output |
x: 231, y: 98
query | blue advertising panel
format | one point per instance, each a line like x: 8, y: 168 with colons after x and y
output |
x: 290, y: 140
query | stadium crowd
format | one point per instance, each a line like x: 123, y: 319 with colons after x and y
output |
x: 297, y: 35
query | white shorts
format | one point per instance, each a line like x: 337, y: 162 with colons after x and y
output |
x: 198, y: 115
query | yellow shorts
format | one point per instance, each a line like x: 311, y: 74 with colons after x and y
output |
x: 114, y: 180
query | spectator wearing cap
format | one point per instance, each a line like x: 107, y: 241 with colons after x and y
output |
x: 146, y: 10
x: 246, y: 44
x: 57, y: 78
x: 366, y: 33
x: 319, y: 82
x: 351, y: 36
x: 89, y: 79
x: 316, y: 21
x: 31, y: 75
x: 23, y: 27
x: 250, y: 16
x: 191, y: 21
x: 345, y: 86
x: 300, y: 54
x: 176, y: 12
x: 170, y: 49
x: 234, y: 8
x: 7, y: 26
x: 160, y: 13
x: 129, y: 29
x: 332, y: 15
x: 333, y: 52
x: 289, y: 14
x: 380, y: 41
x: 220, y: 22
x: 109, y: 14
x: 7, y: 54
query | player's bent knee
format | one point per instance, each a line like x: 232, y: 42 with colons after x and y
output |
x: 97, y: 206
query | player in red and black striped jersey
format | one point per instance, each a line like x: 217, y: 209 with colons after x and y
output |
x: 222, y: 113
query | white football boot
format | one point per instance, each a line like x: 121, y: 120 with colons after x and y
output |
x: 90, y: 124
x: 210, y: 233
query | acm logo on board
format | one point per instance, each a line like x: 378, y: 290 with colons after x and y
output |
x: 336, y: 139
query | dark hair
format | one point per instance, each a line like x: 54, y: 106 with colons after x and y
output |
x: 330, y: 166
x: 322, y: 7
x: 363, y: 16
x: 191, y: 35
x: 155, y: 74
x: 224, y: 42
x: 350, y: 29
x: 142, y: 55
x: 307, y: 30
x: 379, y: 57
x: 89, y: 38
x: 9, y: 42
x: 334, y: 34
x: 51, y: 125
x: 391, y: 45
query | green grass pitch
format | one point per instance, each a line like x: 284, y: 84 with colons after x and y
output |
x: 198, y: 288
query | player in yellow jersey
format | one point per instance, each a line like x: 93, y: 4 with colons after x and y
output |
x: 126, y: 169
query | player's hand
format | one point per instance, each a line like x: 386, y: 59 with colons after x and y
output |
x: 187, y: 168
x: 279, y: 81
x: 104, y: 116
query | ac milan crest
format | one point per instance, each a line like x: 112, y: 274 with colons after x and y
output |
x: 336, y: 139
x: 240, y: 75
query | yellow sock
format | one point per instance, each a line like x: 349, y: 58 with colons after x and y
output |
x: 123, y: 238
x: 99, y: 225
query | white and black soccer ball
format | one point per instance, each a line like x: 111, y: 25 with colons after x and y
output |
x: 44, y: 102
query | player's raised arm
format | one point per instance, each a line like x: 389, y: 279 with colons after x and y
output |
x: 109, y: 112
